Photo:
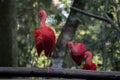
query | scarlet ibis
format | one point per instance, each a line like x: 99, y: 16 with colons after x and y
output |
x: 45, y: 38
x: 76, y: 51
x: 89, y: 65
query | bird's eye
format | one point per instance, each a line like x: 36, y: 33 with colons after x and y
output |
x: 40, y: 15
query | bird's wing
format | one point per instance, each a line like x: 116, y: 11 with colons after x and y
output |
x: 38, y: 40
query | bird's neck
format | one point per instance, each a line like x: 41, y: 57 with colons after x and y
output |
x: 88, y: 57
x: 43, y: 19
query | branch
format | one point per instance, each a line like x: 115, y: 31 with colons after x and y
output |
x: 90, y: 14
x: 107, y: 19
x: 58, y: 73
x: 112, y: 23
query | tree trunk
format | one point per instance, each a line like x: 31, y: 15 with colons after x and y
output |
x: 67, y: 34
x: 103, y: 32
x: 8, y: 54
x: 104, y: 51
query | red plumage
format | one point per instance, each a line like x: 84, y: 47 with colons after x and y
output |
x: 45, y: 38
x: 77, y: 51
x: 89, y: 65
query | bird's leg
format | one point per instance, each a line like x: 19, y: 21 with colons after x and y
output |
x: 47, y: 63
x: 48, y: 66
x: 77, y: 65
x: 44, y: 62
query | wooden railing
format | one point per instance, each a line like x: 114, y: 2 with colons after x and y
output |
x: 58, y: 73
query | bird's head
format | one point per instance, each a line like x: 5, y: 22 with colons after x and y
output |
x: 42, y: 13
x: 69, y: 46
x: 88, y: 56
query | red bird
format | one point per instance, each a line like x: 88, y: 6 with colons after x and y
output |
x: 77, y: 51
x: 89, y: 65
x: 45, y: 38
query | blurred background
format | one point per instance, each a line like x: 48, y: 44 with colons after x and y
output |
x: 18, y: 18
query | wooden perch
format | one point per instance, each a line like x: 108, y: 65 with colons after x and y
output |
x: 107, y: 19
x: 58, y: 73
